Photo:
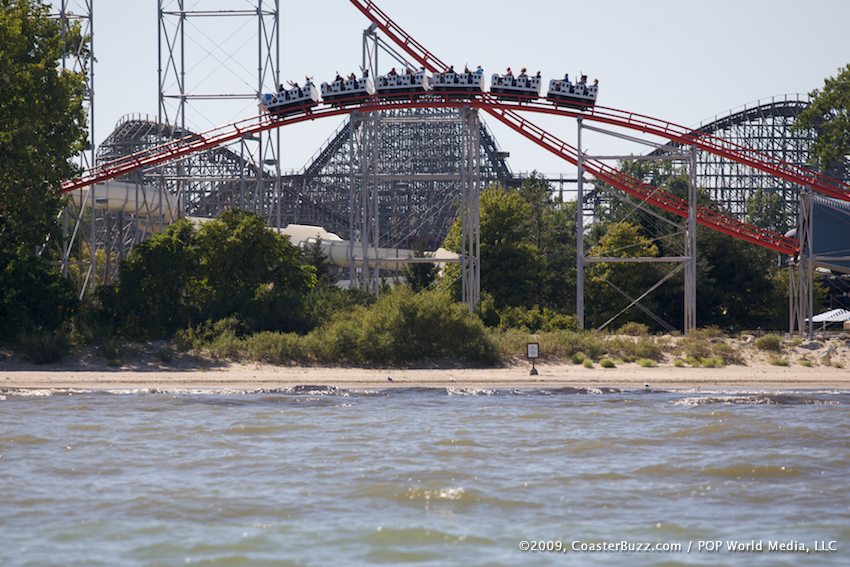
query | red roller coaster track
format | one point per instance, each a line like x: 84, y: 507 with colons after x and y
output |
x: 506, y: 112
x: 640, y: 122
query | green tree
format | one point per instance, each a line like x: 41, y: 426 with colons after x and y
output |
x: 316, y: 257
x: 233, y: 266
x: 247, y: 270
x: 622, y: 240
x: 419, y: 276
x: 510, y: 264
x: 829, y: 115
x: 558, y: 252
x: 150, y: 298
x: 736, y: 281
x: 41, y: 127
x: 767, y: 210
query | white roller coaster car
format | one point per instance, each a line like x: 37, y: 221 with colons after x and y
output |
x: 290, y: 101
x: 466, y: 82
x: 576, y: 95
x: 342, y: 89
x: 408, y: 82
x: 517, y: 87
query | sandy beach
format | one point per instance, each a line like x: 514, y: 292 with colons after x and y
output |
x: 240, y: 377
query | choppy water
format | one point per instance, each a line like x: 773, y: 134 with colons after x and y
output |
x: 317, y: 476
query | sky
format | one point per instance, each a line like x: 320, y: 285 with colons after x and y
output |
x: 684, y: 61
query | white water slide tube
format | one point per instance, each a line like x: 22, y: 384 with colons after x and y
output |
x: 130, y: 199
x: 338, y: 250
x: 146, y: 201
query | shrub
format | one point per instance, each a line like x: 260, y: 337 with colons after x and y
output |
x: 44, y: 348
x: 536, y: 319
x: 578, y: 358
x: 679, y: 363
x: 711, y: 332
x: 647, y: 363
x: 630, y: 349
x: 771, y: 343
x: 728, y: 353
x: 712, y: 362
x: 778, y: 361
x: 225, y: 346
x: 607, y: 363
x: 696, y: 346
x: 587, y: 363
x: 403, y: 327
x: 205, y: 333
x: 276, y: 348
x: 634, y: 329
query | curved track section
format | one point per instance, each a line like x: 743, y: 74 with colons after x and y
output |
x: 500, y: 110
x: 506, y: 112
x: 631, y: 120
x: 662, y: 199
x: 766, y: 126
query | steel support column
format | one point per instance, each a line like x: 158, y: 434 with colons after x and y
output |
x: 690, y: 322
x: 471, y: 212
x: 801, y: 273
x: 580, y: 257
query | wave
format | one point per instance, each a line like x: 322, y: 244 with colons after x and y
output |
x: 693, y: 397
x: 780, y: 399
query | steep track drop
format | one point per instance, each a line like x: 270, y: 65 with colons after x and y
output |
x: 631, y: 120
x: 505, y: 113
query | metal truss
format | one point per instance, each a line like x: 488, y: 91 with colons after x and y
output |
x: 422, y: 156
x: 685, y: 263
x: 209, y: 32
x: 766, y: 127
x: 404, y: 199
x: 79, y: 221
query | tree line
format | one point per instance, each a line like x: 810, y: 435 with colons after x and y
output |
x: 235, y: 269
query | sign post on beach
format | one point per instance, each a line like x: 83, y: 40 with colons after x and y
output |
x: 532, y: 351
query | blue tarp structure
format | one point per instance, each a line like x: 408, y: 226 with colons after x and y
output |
x: 831, y: 232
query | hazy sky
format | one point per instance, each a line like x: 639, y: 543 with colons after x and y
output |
x: 680, y: 60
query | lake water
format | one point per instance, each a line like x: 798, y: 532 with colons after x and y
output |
x: 318, y: 476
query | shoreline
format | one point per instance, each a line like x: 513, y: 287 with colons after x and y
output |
x: 242, y: 377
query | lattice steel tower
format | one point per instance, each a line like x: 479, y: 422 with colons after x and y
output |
x: 78, y: 224
x: 205, y: 79
x: 767, y: 127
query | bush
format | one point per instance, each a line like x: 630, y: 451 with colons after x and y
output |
x: 587, y: 363
x: 536, y: 319
x: 276, y: 348
x: 404, y: 327
x: 201, y: 336
x: 679, y: 363
x: 647, y: 363
x: 712, y: 362
x: 696, y: 346
x: 633, y: 329
x: 778, y: 361
x: 728, y: 353
x: 607, y: 363
x: 44, y: 348
x: 578, y: 358
x: 771, y: 343
x: 631, y: 350
x: 226, y: 346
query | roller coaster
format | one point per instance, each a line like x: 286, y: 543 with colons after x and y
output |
x: 510, y: 113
